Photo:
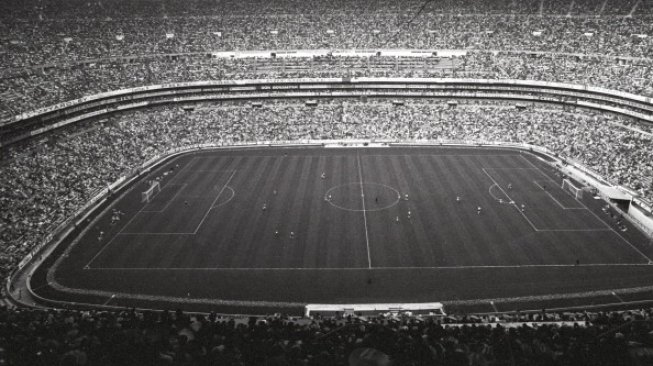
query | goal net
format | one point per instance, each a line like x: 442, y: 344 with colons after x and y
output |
x: 155, y: 188
x: 570, y: 187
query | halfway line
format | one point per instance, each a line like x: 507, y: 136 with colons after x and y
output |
x: 367, y: 237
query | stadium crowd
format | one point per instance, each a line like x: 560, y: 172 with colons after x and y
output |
x: 30, y: 90
x: 49, y: 179
x: 77, y: 338
x: 59, y: 51
x: 64, y: 31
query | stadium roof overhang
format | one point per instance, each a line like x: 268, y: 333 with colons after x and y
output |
x: 615, y: 194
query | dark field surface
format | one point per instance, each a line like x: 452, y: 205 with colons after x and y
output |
x: 261, y: 230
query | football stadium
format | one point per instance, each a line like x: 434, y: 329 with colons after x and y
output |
x: 365, y: 182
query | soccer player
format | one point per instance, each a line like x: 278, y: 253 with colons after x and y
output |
x: 276, y: 233
x: 457, y: 198
x: 274, y: 193
x: 409, y: 216
x: 323, y: 175
x: 397, y: 219
x: 478, y: 210
x: 265, y: 207
x: 523, y: 207
x: 406, y: 197
x: 509, y: 186
x: 292, y: 235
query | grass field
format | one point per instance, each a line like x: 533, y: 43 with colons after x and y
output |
x: 283, y: 227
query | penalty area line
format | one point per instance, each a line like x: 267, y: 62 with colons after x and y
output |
x: 608, y: 226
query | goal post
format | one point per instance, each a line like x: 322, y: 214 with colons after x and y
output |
x: 155, y: 188
x: 571, y: 188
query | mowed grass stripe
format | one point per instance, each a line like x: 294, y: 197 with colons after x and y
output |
x: 317, y: 216
x: 294, y: 214
x: 249, y: 234
x: 488, y: 221
x: 536, y: 254
x: 271, y: 252
x: 220, y: 170
x: 126, y: 250
x: 506, y: 223
x: 545, y: 213
x: 340, y: 233
x: 453, y: 224
x: 389, y: 246
x: 438, y: 209
x: 328, y: 221
x: 510, y: 224
x: 541, y: 254
x: 348, y: 229
x: 423, y: 194
x: 517, y: 235
x: 260, y: 186
x: 245, y: 218
x: 412, y: 246
x: 588, y: 247
x: 310, y: 213
x: 249, y: 179
x: 184, y: 256
x: 459, y: 170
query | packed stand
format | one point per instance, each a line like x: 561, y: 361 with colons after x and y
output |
x: 29, y: 90
x: 48, y: 179
x: 63, y: 337
x: 56, y: 51
x: 56, y: 33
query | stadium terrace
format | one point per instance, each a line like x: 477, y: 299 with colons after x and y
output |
x: 363, y: 182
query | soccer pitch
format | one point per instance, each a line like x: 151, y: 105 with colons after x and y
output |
x: 281, y: 227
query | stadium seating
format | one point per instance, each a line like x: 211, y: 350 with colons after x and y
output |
x: 36, y: 337
x: 54, y: 51
x: 53, y: 177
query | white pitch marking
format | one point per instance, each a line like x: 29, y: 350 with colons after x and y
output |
x: 494, y: 306
x: 514, y: 204
x: 87, y: 266
x: 111, y: 298
x: 362, y: 268
x: 114, y: 237
x: 213, y: 203
x: 598, y: 218
x: 172, y: 199
x: 489, y: 190
x: 367, y: 238
x: 556, y: 201
x: 135, y: 234
x: 617, y: 296
x: 233, y: 194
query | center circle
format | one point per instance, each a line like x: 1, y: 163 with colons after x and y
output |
x: 357, y: 196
